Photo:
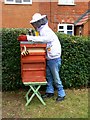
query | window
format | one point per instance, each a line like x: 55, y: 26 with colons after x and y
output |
x: 18, y: 1
x: 66, y: 2
x: 66, y: 28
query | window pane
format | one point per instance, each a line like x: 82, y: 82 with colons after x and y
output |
x: 69, y: 27
x: 26, y: 0
x: 18, y: 1
x: 61, y: 27
x: 70, y: 1
x: 66, y: 1
x: 63, y: 1
x: 10, y: 0
x: 69, y: 32
x: 61, y: 31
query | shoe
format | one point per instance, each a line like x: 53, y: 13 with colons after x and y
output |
x: 48, y: 95
x: 60, y: 98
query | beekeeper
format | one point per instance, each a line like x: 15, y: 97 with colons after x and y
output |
x: 53, y: 49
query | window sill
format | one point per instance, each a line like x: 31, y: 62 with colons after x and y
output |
x: 66, y: 4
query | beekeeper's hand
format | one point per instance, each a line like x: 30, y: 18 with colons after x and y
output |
x: 22, y: 38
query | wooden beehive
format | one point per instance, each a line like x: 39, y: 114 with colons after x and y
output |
x: 33, y: 65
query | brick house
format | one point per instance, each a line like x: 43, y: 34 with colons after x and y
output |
x: 82, y: 24
x: 63, y: 15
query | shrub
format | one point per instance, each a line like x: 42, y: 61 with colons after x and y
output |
x: 11, y: 78
x: 75, y: 60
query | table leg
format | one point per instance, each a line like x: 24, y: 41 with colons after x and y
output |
x: 35, y: 92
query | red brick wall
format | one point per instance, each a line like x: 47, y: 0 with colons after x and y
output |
x: 89, y: 27
x: 0, y: 14
x: 86, y: 29
x: 57, y: 13
x: 18, y: 16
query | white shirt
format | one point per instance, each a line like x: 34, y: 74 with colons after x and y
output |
x: 48, y: 36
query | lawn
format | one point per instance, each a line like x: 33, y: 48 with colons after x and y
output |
x: 75, y: 105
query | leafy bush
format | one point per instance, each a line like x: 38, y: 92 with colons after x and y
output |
x: 75, y: 60
x: 11, y: 78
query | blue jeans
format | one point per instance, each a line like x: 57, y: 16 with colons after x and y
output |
x: 52, y: 75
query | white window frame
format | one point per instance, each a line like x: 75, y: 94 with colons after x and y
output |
x: 66, y: 2
x: 64, y: 28
x: 14, y: 2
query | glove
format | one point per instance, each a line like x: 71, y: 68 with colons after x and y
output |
x: 22, y: 38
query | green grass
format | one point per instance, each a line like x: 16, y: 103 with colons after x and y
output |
x: 75, y: 105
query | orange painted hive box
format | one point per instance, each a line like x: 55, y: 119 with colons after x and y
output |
x: 33, y: 65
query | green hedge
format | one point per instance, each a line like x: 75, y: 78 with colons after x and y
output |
x: 75, y: 60
x: 11, y: 78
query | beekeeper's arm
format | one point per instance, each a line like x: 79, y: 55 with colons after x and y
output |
x: 43, y: 39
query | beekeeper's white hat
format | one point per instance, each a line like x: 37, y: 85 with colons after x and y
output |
x: 36, y: 17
